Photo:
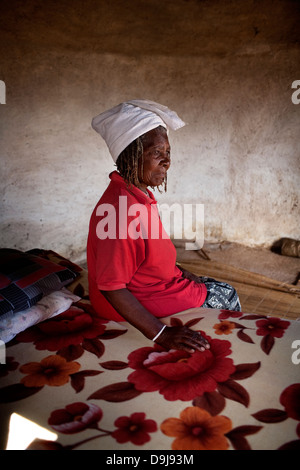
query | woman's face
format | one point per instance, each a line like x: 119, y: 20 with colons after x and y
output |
x: 157, y: 158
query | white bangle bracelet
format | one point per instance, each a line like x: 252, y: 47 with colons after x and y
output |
x: 155, y: 337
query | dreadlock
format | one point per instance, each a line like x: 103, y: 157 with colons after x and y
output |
x: 128, y: 162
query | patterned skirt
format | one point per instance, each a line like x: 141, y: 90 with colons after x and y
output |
x: 220, y: 295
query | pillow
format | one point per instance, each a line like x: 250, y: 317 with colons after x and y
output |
x: 48, y: 307
x: 26, y: 278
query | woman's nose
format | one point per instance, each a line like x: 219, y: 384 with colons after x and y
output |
x: 167, y: 161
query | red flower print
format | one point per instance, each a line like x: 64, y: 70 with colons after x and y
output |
x: 274, y: 327
x: 225, y: 314
x: 178, y: 375
x: 290, y: 399
x: 68, y: 328
x: 134, y: 428
x: 197, y: 430
x: 75, y: 418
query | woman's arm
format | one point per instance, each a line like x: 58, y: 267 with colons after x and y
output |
x: 187, y: 274
x: 177, y: 337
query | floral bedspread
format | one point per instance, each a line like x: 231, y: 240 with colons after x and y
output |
x: 102, y: 385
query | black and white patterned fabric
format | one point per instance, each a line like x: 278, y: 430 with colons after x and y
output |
x: 220, y: 295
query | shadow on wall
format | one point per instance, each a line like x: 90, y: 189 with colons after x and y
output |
x: 26, y: 235
x: 21, y: 234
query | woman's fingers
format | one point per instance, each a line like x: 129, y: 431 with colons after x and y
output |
x: 196, y: 342
x: 183, y: 338
x: 199, y: 341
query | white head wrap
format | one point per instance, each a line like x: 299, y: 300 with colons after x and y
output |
x: 124, y: 123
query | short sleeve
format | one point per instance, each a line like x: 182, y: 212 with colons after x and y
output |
x: 117, y: 260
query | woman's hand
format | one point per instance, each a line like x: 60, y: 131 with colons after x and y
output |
x: 188, y: 275
x: 172, y: 337
x: 182, y: 337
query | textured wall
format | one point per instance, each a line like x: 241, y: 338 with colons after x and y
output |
x: 226, y: 67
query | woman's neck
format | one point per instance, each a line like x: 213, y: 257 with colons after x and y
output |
x: 143, y: 188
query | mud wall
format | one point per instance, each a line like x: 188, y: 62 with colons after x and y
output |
x: 227, y: 68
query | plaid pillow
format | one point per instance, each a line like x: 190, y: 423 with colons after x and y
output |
x: 26, y: 278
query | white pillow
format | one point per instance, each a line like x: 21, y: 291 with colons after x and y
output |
x: 48, y: 307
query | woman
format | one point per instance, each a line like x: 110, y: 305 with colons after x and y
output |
x: 131, y: 260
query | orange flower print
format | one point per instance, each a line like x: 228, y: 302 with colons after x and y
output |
x: 197, y: 430
x: 224, y: 327
x: 52, y: 370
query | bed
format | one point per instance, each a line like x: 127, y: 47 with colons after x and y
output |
x: 100, y: 385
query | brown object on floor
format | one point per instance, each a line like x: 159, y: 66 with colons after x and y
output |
x: 258, y: 294
x: 290, y: 247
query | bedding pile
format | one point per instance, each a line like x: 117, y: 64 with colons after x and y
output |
x: 102, y: 385
x: 31, y: 291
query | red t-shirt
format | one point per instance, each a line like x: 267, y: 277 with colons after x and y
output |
x: 128, y: 248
